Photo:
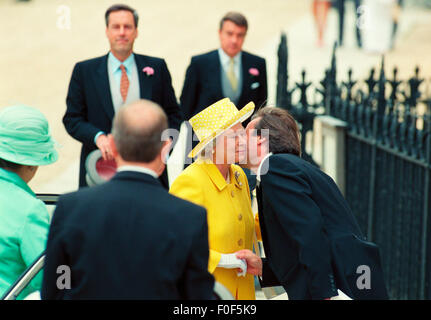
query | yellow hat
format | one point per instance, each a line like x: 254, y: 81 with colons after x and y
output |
x: 216, y: 119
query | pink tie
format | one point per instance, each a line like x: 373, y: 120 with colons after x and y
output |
x: 124, y: 84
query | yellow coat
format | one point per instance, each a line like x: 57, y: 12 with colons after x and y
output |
x: 229, y: 216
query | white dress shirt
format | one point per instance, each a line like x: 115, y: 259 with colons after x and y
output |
x: 225, y: 62
x: 262, y: 166
x: 138, y: 169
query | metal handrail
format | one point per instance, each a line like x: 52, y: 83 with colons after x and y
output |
x: 48, y: 198
x: 19, y: 285
x: 25, y: 278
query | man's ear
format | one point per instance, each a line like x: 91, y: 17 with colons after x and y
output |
x: 112, y: 145
x: 261, y: 140
x: 263, y: 145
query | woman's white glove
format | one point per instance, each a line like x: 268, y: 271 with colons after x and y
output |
x: 230, y: 261
x: 341, y: 296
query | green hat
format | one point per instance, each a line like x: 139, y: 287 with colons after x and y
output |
x: 25, y: 137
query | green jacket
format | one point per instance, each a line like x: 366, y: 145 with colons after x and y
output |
x: 24, y: 224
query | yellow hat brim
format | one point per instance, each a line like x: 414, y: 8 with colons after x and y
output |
x: 241, y: 116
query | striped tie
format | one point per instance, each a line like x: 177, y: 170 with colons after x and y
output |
x: 124, y: 84
x: 231, y: 75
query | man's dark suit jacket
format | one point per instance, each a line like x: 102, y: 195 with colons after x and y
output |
x: 312, y: 241
x: 203, y: 87
x: 90, y: 108
x: 128, y: 239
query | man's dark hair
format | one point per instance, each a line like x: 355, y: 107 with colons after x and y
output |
x: 121, y: 7
x: 236, y: 18
x: 5, y: 164
x: 284, y: 136
x: 143, y: 142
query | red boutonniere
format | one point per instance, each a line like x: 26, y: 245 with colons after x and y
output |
x: 253, y: 72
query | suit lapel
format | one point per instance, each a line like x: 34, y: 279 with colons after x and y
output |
x: 260, y: 212
x: 215, y: 69
x: 246, y: 78
x: 102, y: 86
x: 145, y: 82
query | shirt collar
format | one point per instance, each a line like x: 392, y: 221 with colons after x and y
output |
x: 12, y: 177
x: 138, y: 169
x: 225, y: 59
x: 263, y: 166
x: 115, y: 63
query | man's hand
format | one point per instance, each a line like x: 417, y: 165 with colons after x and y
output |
x: 254, y: 263
x: 102, y: 143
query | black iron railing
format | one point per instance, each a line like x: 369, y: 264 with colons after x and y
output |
x: 388, y: 162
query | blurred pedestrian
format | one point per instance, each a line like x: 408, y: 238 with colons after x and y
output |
x: 378, y: 25
x: 396, y: 18
x: 320, y: 14
x: 340, y: 6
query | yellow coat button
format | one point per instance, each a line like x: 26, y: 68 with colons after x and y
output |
x: 240, y: 217
x: 240, y: 242
x: 232, y: 194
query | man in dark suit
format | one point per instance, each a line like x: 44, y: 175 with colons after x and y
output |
x: 100, y: 86
x: 312, y: 241
x: 129, y: 238
x: 225, y: 72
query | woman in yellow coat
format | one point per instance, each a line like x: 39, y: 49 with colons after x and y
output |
x: 216, y: 183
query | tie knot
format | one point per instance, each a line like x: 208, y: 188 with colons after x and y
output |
x: 122, y: 67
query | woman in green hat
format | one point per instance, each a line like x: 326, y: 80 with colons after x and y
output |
x: 25, y: 144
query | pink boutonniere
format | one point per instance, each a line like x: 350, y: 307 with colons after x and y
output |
x: 148, y: 71
x: 253, y: 72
